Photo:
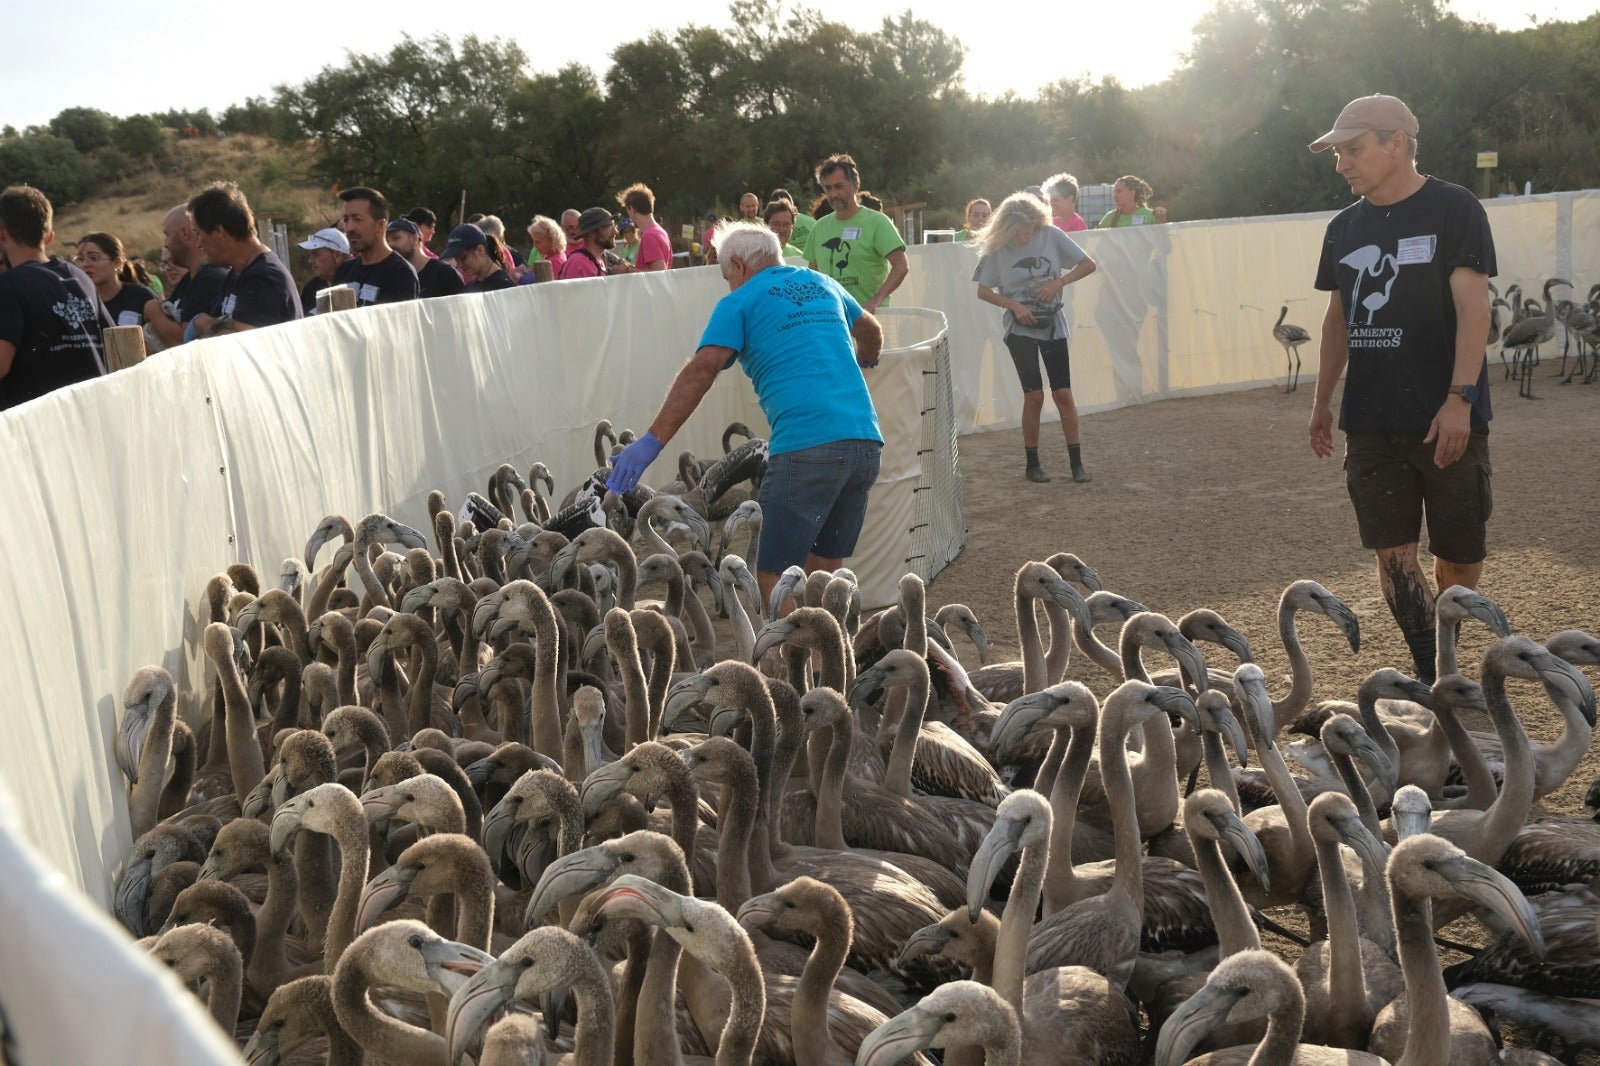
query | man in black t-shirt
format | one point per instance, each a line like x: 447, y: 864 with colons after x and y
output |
x: 377, y: 273
x: 49, y: 310
x: 197, y: 290
x: 1407, y: 270
x: 435, y: 277
x: 260, y: 291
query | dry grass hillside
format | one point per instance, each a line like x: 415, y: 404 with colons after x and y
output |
x: 275, y: 178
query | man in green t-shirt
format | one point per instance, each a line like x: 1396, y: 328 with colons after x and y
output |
x: 855, y: 245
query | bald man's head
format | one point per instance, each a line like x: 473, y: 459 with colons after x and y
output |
x: 182, y: 239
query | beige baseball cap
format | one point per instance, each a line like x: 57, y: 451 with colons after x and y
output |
x: 1376, y: 112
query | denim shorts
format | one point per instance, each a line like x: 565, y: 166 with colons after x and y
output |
x: 813, y: 502
x: 1394, y: 485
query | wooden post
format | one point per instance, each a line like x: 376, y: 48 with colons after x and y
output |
x: 336, y: 298
x: 542, y: 271
x: 124, y: 347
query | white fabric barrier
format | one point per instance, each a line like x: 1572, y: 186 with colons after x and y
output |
x: 74, y: 989
x: 126, y: 494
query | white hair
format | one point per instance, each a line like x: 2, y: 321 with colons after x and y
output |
x: 751, y: 242
x: 492, y: 224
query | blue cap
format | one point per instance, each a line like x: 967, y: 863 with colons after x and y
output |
x: 463, y: 237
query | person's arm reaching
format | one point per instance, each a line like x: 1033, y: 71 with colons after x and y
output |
x: 1452, y: 425
x: 688, y: 389
x: 1333, y: 354
x: 898, y: 269
x: 170, y: 332
x: 868, y: 332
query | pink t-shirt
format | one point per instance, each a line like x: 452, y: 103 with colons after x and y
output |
x: 1072, y: 224
x: 579, y: 264
x: 654, y: 247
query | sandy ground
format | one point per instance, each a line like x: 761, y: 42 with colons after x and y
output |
x: 1217, y: 501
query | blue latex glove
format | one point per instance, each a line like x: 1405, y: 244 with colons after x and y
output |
x: 629, y: 467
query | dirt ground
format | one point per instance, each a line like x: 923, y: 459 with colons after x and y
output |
x: 1217, y: 501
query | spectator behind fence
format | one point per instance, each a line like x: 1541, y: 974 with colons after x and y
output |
x: 493, y: 227
x: 856, y: 245
x: 49, y: 310
x: 426, y: 222
x: 101, y: 257
x: 1062, y: 192
x: 550, y: 241
x: 630, y: 240
x: 974, y: 218
x: 750, y: 207
x: 802, y: 221
x: 597, y: 235
x: 655, y: 247
x: 171, y: 273
x: 259, y: 291
x: 435, y: 277
x: 1024, y: 265
x: 779, y: 217
x: 377, y: 273
x: 708, y: 245
x: 195, y: 292
x: 1132, y: 197
x: 325, y: 250
x: 569, y: 224
x: 479, y: 255
x: 802, y: 340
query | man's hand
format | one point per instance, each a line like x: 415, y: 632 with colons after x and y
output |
x: 1322, y: 431
x: 1450, y: 430
x: 153, y: 309
x: 202, y: 325
x: 871, y: 306
x: 629, y: 467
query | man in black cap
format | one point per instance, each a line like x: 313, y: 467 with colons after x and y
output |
x: 1406, y: 268
x: 434, y: 276
x: 597, y: 235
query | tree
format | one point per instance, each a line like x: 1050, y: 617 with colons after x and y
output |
x: 50, y: 164
x: 86, y: 127
x: 140, y: 137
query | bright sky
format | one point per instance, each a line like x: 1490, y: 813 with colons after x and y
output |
x: 126, y: 60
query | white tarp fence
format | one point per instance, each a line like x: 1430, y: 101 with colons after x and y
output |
x: 125, y: 495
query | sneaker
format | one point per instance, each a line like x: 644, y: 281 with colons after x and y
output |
x: 1081, y: 476
x: 1036, y: 473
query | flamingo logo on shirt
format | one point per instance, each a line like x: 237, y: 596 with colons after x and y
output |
x: 1370, y: 261
x: 840, y: 249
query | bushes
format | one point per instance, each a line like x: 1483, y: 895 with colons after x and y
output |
x: 49, y: 163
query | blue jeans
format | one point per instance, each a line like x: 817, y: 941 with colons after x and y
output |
x: 813, y: 502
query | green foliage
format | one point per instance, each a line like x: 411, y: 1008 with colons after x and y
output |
x: 703, y: 114
x: 110, y: 164
x: 140, y: 136
x: 257, y: 116
x: 86, y: 127
x: 50, y: 164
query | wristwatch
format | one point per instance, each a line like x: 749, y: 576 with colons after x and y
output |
x: 1468, y: 393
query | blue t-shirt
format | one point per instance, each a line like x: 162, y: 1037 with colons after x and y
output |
x: 790, y: 328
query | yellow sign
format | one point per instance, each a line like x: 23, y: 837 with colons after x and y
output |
x: 688, y: 233
x: 1488, y: 160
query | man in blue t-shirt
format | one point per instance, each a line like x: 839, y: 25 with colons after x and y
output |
x: 791, y: 330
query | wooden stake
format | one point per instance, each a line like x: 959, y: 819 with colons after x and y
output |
x: 336, y: 298
x: 542, y: 271
x: 124, y: 346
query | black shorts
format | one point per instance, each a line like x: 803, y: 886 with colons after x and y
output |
x: 1026, y: 353
x: 1393, y: 483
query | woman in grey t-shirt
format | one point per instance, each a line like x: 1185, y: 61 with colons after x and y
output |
x: 1024, y: 264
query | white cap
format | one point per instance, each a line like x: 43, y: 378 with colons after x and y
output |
x: 327, y: 238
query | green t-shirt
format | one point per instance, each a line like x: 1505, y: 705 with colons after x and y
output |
x: 855, y: 252
x: 802, y: 230
x: 962, y: 235
x: 791, y: 252
x: 1141, y: 216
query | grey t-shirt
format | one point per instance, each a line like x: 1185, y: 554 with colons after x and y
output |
x: 1016, y: 271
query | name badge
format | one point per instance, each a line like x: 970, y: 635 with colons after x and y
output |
x: 127, y: 318
x: 1416, y: 250
x: 852, y: 233
x: 228, y: 303
x: 368, y: 294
